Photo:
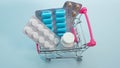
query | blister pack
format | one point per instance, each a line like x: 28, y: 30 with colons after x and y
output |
x: 41, y: 34
x: 72, y: 10
x: 59, y: 20
x: 54, y: 19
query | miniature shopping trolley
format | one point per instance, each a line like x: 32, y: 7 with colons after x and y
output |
x: 58, y: 32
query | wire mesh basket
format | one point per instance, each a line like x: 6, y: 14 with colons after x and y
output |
x: 73, y: 13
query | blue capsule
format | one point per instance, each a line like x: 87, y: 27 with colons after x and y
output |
x: 60, y: 34
x: 61, y: 30
x: 60, y: 12
x: 49, y: 26
x: 60, y: 19
x: 46, y: 14
x: 60, y: 25
x: 47, y: 21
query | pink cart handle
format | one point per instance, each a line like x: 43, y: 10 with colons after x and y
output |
x: 38, y: 49
x: 92, y: 41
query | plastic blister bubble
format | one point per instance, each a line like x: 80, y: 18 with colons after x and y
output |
x: 41, y: 40
x: 33, y: 22
x: 28, y: 31
x: 35, y: 36
x: 46, y: 32
x: 51, y: 37
x: 46, y: 44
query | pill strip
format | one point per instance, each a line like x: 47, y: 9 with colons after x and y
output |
x: 72, y: 10
x: 60, y: 21
x: 57, y: 17
x: 64, y: 16
x: 42, y: 35
x: 46, y: 18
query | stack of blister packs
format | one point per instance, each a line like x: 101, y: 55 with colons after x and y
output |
x: 48, y: 26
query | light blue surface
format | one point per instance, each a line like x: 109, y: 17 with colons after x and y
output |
x: 18, y: 51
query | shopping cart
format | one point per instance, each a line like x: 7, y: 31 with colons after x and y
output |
x: 79, y: 47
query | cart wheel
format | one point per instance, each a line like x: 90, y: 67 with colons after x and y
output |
x: 48, y: 59
x: 79, y: 58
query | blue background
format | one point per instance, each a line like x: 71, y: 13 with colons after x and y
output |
x: 18, y: 51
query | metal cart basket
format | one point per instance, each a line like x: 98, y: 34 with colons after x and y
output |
x: 79, y: 47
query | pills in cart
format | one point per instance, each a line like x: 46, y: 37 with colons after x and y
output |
x: 47, y: 21
x: 40, y: 33
x: 61, y: 30
x: 41, y: 40
x: 60, y: 19
x: 77, y: 7
x: 35, y: 36
x: 53, y: 18
x: 69, y: 4
x: 40, y: 27
x: 47, y: 44
x: 46, y: 32
x: 60, y: 12
x: 34, y: 23
x: 51, y: 37
x: 60, y: 25
x: 28, y: 31
x: 46, y: 14
x: 48, y: 24
x: 74, y: 14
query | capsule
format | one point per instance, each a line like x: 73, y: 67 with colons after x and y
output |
x: 60, y: 12
x: 47, y: 21
x: 60, y: 34
x: 49, y: 26
x: 60, y: 19
x: 60, y: 25
x: 77, y: 7
x: 69, y: 4
x: 74, y: 14
x: 46, y: 14
x: 61, y: 30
